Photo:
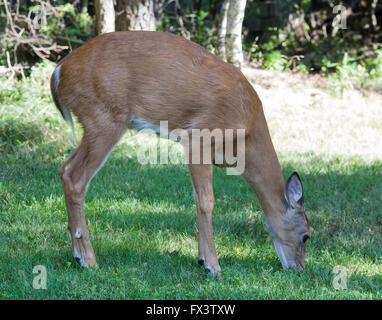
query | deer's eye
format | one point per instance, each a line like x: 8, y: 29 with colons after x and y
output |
x: 305, y: 237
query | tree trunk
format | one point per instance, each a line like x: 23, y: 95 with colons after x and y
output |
x: 84, y: 6
x: 222, y: 31
x: 135, y: 15
x: 374, y: 21
x: 158, y: 10
x: 235, y: 17
x: 105, y: 16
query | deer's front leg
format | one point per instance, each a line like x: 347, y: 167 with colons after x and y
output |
x: 201, y: 176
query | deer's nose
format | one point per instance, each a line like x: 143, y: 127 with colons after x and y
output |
x: 297, y: 266
x: 300, y: 266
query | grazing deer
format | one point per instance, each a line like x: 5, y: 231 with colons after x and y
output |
x: 122, y: 78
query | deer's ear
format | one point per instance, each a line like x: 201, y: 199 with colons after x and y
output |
x: 294, y: 194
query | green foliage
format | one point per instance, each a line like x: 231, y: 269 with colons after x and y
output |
x: 350, y: 57
x: 275, y: 60
x: 201, y: 32
x: 26, y: 109
x: 301, y: 41
x: 351, y: 73
x: 76, y: 24
x: 347, y: 65
x: 195, y: 25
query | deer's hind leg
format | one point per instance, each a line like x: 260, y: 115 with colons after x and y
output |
x: 97, y: 143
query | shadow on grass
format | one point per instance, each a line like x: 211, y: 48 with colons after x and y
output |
x: 150, y: 274
x: 14, y: 132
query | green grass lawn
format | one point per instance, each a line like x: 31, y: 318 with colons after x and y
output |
x: 142, y: 220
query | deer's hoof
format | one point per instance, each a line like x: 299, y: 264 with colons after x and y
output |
x: 88, y: 261
x: 213, y: 271
x: 78, y: 260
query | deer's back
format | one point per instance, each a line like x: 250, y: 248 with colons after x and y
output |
x: 156, y: 76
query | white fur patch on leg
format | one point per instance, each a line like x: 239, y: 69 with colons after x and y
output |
x: 78, y: 234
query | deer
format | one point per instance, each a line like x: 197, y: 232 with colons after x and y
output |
x: 126, y: 77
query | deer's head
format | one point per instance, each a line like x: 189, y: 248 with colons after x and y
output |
x: 291, y: 232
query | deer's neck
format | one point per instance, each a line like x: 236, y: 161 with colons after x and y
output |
x: 262, y: 170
